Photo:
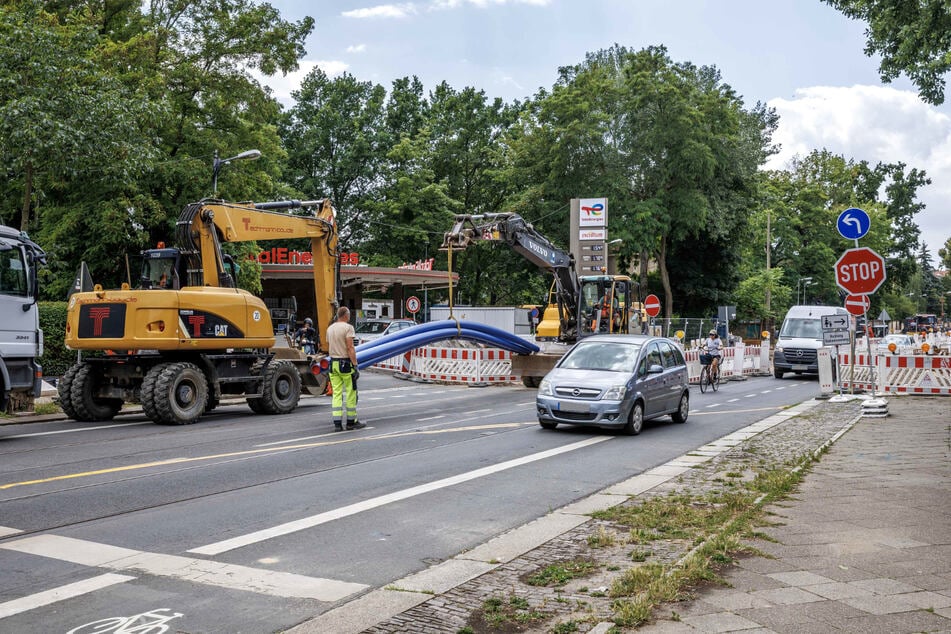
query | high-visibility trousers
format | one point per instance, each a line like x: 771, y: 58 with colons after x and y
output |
x: 342, y: 385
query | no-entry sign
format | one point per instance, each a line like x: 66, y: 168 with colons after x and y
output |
x: 860, y: 271
x: 652, y: 305
x: 857, y: 304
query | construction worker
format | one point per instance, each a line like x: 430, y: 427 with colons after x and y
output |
x: 343, y: 370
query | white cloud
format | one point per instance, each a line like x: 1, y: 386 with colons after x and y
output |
x: 356, y: 48
x: 382, y: 11
x: 874, y: 123
x: 405, y: 9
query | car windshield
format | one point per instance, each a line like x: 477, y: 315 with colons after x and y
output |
x: 602, y: 355
x: 801, y: 328
x: 372, y: 327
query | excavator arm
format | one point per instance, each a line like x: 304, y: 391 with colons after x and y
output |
x: 203, y: 226
x: 522, y: 237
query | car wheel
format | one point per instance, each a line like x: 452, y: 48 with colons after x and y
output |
x: 635, y: 421
x: 680, y: 416
x: 778, y: 373
x: 547, y: 425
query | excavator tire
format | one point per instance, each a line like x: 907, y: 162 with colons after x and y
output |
x: 180, y: 394
x: 280, y: 388
x: 147, y: 391
x: 256, y: 405
x: 64, y: 388
x: 88, y: 407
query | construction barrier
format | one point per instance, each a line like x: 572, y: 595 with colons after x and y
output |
x: 897, y: 373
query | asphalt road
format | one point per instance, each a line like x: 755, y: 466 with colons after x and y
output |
x: 247, y: 523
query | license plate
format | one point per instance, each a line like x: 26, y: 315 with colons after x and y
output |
x: 800, y: 367
x: 571, y: 406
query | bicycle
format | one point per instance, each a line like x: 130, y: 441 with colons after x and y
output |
x: 709, y: 375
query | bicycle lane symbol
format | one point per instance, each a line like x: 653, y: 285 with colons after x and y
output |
x: 151, y: 622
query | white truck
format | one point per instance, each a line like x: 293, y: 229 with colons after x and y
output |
x: 21, y: 339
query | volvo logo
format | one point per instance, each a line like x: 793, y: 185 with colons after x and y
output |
x: 576, y: 392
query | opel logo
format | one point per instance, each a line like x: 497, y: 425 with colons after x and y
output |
x: 576, y: 392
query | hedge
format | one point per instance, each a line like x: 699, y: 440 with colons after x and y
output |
x: 56, y: 358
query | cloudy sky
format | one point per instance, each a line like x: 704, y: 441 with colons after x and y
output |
x: 800, y: 56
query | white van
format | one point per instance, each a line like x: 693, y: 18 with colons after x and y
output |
x: 797, y: 347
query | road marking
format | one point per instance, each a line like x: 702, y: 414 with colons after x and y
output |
x: 70, y: 590
x: 73, y: 431
x: 420, y: 420
x: 737, y: 411
x: 733, y: 400
x: 765, y: 391
x: 212, y: 573
x: 366, y: 505
x: 6, y: 531
x: 780, y: 388
x: 714, y: 405
x: 249, y: 452
x: 749, y: 395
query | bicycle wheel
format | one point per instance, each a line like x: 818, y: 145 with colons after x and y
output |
x: 715, y: 378
x: 704, y: 378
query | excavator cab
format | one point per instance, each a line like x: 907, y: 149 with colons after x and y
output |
x: 160, y: 268
x: 605, y: 304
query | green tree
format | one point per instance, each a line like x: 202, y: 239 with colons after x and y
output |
x: 913, y: 38
x: 751, y: 296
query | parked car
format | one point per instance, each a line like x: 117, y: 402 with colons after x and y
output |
x: 900, y: 341
x: 370, y: 329
x: 615, y: 382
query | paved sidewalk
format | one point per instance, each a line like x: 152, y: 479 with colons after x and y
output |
x: 864, y: 546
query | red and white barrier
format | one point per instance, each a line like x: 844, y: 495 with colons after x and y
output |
x: 896, y: 373
x: 454, y: 365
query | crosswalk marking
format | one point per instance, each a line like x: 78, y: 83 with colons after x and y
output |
x: 203, y: 571
x: 70, y: 590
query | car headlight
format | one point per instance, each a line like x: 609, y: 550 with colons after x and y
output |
x: 615, y: 393
x: 778, y: 349
x: 544, y: 388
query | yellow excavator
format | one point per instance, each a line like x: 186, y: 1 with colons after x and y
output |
x: 188, y: 335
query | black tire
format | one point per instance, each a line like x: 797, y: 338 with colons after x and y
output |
x: 530, y: 381
x: 680, y: 416
x: 87, y: 406
x: 778, y: 373
x: 704, y: 378
x: 548, y: 425
x: 147, y: 391
x: 181, y: 393
x: 213, y: 401
x: 715, y: 379
x: 635, y: 420
x: 280, y: 391
x: 64, y: 387
x: 256, y: 405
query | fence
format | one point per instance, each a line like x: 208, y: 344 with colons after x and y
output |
x: 901, y: 372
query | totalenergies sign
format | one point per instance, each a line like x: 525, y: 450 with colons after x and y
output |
x: 593, y: 212
x: 282, y: 255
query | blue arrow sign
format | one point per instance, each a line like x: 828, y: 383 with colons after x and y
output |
x: 853, y: 223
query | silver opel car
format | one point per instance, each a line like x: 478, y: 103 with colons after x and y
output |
x: 616, y: 382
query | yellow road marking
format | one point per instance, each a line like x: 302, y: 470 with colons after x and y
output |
x: 250, y: 452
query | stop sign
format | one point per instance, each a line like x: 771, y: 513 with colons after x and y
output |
x: 652, y: 305
x: 857, y: 304
x: 860, y: 271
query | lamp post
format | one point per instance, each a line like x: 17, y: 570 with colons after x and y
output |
x: 804, y: 281
x: 248, y: 155
x: 612, y: 259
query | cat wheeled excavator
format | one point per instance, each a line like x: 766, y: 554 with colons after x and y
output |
x: 188, y: 336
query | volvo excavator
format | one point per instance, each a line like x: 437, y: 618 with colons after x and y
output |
x: 187, y: 336
x: 577, y: 306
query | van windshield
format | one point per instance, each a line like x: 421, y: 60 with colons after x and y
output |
x: 801, y: 328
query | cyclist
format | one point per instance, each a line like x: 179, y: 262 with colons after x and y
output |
x: 306, y: 337
x: 712, y: 345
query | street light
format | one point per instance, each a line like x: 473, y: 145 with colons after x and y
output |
x: 248, y: 155
x: 804, y: 281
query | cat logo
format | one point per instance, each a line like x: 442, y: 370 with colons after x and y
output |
x: 221, y: 330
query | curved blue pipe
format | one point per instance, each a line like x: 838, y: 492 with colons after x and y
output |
x: 416, y: 336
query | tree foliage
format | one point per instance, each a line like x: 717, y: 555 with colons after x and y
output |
x: 913, y: 38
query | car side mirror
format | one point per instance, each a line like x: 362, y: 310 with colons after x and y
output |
x: 655, y: 369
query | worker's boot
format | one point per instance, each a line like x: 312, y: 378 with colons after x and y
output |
x: 355, y: 425
x: 338, y: 426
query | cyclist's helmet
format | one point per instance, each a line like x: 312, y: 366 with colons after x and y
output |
x: 309, y: 321
x: 713, y: 333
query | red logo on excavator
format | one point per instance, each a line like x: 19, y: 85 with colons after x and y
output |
x: 98, y: 315
x: 196, y: 321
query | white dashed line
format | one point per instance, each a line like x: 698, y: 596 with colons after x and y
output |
x: 70, y: 590
x: 733, y: 400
